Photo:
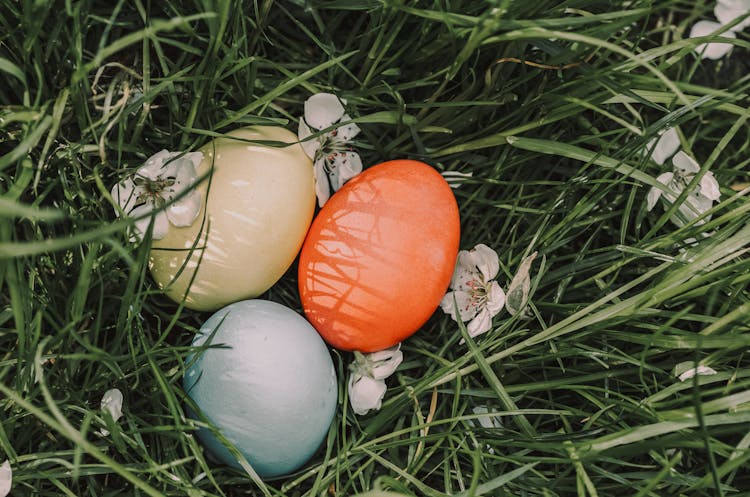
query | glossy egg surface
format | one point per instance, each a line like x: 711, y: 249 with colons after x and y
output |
x: 266, y: 380
x: 256, y: 210
x: 379, y: 256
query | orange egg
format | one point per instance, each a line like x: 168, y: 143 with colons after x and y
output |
x: 379, y: 256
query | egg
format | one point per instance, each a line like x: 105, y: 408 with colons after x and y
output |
x: 256, y: 209
x: 379, y: 256
x: 265, y: 379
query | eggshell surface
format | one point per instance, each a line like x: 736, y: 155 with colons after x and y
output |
x: 379, y: 256
x: 267, y: 382
x: 256, y: 210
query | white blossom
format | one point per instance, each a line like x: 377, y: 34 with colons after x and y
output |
x: 476, y: 297
x: 713, y: 50
x: 334, y: 160
x: 697, y: 202
x: 367, y: 379
x: 164, y: 177
x: 6, y: 478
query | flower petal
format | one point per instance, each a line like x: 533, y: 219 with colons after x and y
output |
x: 125, y: 194
x: 495, y: 298
x: 711, y: 50
x: 480, y: 324
x: 112, y: 403
x: 322, y: 188
x: 384, y: 362
x: 653, y: 196
x: 465, y: 272
x: 489, y: 422
x: 727, y: 11
x: 153, y: 168
x: 709, y: 187
x: 486, y: 261
x: 183, y: 212
x: 6, y: 478
x: 465, y: 310
x: 345, y: 166
x: 161, y: 222
x: 666, y: 146
x: 520, y: 286
x: 323, y: 110
x: 347, y: 132
x: 686, y: 370
x: 456, y: 178
x: 310, y: 146
x: 365, y: 393
x: 684, y: 164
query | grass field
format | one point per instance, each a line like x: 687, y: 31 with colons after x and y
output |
x: 548, y: 104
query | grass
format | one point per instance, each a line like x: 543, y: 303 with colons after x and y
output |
x: 547, y: 103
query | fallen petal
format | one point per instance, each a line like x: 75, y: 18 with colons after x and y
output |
x: 365, y: 393
x: 686, y: 370
x: 456, y: 178
x: 489, y: 422
x: 183, y: 212
x: 311, y: 146
x: 711, y: 50
x: 709, y: 187
x: 666, y: 146
x: 727, y: 11
x: 347, y: 132
x: 6, y: 478
x: 485, y: 260
x: 323, y: 110
x: 346, y: 165
x: 495, y: 299
x: 480, y: 324
x: 685, y: 164
x: 322, y: 188
x: 112, y: 403
x: 125, y: 194
x: 520, y: 286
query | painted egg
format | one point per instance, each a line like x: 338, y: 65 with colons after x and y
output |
x: 379, y: 256
x: 256, y: 210
x: 265, y: 379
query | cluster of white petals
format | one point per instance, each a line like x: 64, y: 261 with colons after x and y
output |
x: 726, y: 11
x: 6, y: 478
x: 334, y: 160
x: 699, y: 200
x: 164, y: 177
x: 367, y: 379
x: 475, y: 297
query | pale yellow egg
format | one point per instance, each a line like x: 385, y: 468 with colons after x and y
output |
x: 256, y: 208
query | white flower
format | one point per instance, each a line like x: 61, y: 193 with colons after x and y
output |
x: 367, y: 379
x: 700, y: 200
x: 335, y: 162
x: 711, y: 50
x: 727, y: 11
x: 478, y: 297
x: 6, y: 478
x: 112, y: 403
x: 163, y: 177
x: 665, y: 146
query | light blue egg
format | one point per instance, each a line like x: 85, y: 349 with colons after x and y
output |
x: 267, y: 382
